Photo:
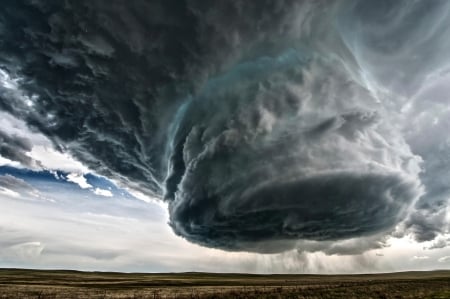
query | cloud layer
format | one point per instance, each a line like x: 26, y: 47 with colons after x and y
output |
x: 260, y: 123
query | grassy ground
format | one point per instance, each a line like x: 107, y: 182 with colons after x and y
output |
x: 72, y: 284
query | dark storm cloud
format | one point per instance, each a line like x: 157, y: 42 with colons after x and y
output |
x: 15, y: 148
x: 313, y: 170
x: 260, y: 122
x: 439, y: 243
x: 428, y: 222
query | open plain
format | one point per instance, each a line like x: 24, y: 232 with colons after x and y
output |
x: 43, y: 284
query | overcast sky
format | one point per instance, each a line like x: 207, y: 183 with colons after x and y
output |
x: 227, y: 136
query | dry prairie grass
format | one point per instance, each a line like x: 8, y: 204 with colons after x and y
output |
x: 29, y: 284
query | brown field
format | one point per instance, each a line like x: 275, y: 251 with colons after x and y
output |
x: 16, y: 283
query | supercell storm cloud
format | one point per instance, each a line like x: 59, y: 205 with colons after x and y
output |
x: 261, y: 123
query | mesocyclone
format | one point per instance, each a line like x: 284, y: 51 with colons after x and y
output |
x: 259, y: 122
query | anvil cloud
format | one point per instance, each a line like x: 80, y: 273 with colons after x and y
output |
x: 262, y: 123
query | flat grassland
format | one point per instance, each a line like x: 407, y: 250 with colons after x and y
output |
x: 16, y: 283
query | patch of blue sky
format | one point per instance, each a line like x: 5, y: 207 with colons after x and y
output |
x: 56, y: 181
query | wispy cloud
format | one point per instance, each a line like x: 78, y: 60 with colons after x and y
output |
x: 444, y: 259
x: 78, y: 179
